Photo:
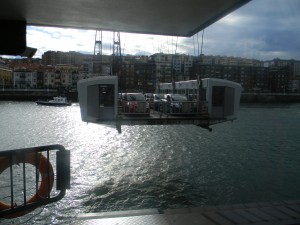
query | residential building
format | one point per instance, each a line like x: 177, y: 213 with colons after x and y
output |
x: 62, y: 76
x: 24, y: 78
x: 145, y: 80
x: 57, y: 57
x: 170, y: 67
x: 163, y: 64
x: 5, y: 76
x: 143, y: 73
x: 284, y: 75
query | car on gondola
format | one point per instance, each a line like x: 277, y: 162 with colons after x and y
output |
x: 157, y: 101
x: 176, y: 103
x: 134, y: 103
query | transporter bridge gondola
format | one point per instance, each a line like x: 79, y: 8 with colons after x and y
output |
x: 101, y: 103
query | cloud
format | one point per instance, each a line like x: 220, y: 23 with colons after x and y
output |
x: 262, y: 29
x: 59, y: 39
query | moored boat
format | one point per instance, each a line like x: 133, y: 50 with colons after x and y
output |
x: 56, y: 101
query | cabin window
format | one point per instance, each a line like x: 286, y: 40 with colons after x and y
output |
x: 218, y: 94
x: 202, y: 94
x: 106, y: 95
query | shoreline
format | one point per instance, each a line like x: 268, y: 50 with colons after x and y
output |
x: 35, y: 95
x: 270, y: 98
x: 41, y: 94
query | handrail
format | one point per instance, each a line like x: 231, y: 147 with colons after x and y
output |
x: 40, y: 158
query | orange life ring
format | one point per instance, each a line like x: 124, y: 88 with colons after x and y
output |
x: 40, y: 162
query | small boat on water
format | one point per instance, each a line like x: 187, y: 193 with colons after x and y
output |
x: 56, y: 101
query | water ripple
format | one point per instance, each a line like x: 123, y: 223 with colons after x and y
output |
x: 255, y: 158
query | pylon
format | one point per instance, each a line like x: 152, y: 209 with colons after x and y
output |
x: 97, y: 59
x: 117, y: 60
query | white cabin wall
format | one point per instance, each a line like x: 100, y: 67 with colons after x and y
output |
x: 92, y: 101
x: 88, y: 93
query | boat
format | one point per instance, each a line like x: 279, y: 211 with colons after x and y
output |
x: 56, y: 101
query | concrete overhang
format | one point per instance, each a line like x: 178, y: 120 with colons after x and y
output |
x: 163, y: 17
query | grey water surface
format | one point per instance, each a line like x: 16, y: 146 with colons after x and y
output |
x: 253, y: 159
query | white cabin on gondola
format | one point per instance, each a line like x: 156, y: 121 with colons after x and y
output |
x: 222, y: 96
x: 98, y: 98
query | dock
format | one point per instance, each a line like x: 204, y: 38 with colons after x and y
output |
x: 267, y: 213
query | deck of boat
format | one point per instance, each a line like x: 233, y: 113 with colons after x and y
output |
x: 272, y: 213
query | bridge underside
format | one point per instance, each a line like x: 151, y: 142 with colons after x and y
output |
x: 168, y: 17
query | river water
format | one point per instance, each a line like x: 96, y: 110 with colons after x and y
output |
x: 253, y: 159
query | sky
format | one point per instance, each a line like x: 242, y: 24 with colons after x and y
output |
x: 261, y: 29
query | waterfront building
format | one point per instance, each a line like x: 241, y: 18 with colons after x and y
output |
x: 145, y: 79
x: 57, y: 57
x: 284, y: 75
x: 294, y: 83
x: 101, y: 64
x: 24, y: 78
x: 49, y: 80
x: 87, y: 64
x: 172, y: 67
x: 252, y: 78
x: 66, y: 76
x: 230, y: 61
x: 127, y: 79
x: 163, y: 66
x: 182, y: 65
x: 5, y: 76
x: 61, y: 76
x: 144, y: 73
x: 137, y: 74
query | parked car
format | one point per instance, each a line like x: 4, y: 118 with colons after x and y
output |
x: 134, y: 103
x: 157, y: 101
x: 176, y: 103
x: 149, y: 98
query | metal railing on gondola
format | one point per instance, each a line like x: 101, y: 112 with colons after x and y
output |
x: 32, y: 177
